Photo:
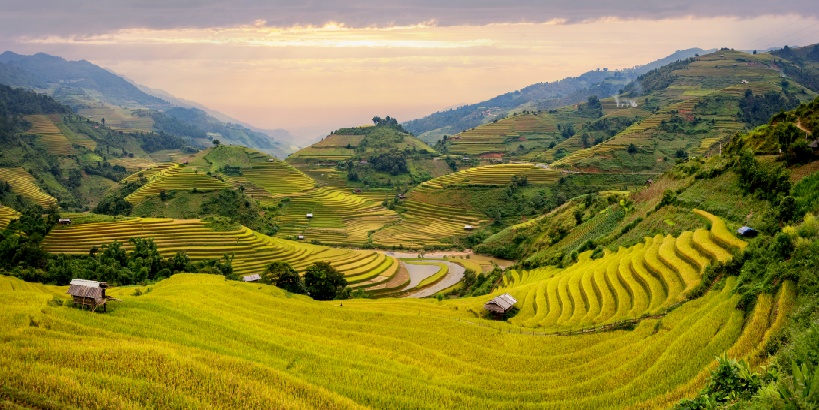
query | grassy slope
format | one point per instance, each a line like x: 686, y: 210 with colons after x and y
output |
x: 198, y: 341
x: 702, y: 97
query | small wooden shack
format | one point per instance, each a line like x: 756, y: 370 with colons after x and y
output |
x: 64, y: 221
x: 468, y: 227
x: 89, y: 293
x: 252, y: 278
x: 309, y: 215
x: 500, y: 304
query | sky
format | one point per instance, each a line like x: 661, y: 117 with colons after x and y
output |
x: 314, y: 66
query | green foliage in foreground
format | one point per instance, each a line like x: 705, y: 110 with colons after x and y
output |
x: 791, y: 381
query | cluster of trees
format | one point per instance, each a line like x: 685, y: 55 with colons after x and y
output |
x: 657, y: 79
x: 792, y: 143
x: 17, y: 101
x: 321, y: 280
x: 157, y: 141
x: 766, y: 182
x: 21, y: 255
x: 106, y: 170
x: 114, y: 203
x: 758, y: 109
x: 393, y: 162
x: 239, y: 208
x: 592, y: 107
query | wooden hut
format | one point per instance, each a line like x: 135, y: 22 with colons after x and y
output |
x: 468, y: 227
x: 89, y: 293
x: 64, y: 221
x: 500, y: 304
x: 252, y: 278
x: 309, y: 215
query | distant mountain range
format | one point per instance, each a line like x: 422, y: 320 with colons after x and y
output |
x: 94, y: 91
x: 540, y: 96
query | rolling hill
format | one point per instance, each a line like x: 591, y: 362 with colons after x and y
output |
x: 100, y: 94
x: 536, y: 97
x: 685, y: 108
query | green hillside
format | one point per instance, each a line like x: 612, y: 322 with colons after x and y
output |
x: 683, y: 109
x: 382, y: 155
x: 695, y: 105
x: 534, y: 98
x: 103, y: 96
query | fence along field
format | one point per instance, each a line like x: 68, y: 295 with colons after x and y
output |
x: 199, y: 341
x: 252, y: 251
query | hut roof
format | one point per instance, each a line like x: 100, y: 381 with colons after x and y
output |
x: 501, y: 304
x: 89, y: 283
x: 814, y: 144
x: 88, y: 289
x: 252, y: 278
x: 747, y: 231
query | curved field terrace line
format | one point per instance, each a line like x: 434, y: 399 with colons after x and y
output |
x: 456, y: 273
x: 418, y: 272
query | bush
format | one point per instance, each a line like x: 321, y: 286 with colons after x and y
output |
x: 324, y: 282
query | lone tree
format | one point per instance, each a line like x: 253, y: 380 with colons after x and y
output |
x: 216, y: 143
x: 324, y: 282
x: 283, y: 276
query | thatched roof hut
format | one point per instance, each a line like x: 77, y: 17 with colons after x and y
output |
x: 500, y: 304
x: 88, y: 293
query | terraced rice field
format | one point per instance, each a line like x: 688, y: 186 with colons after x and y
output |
x: 48, y: 134
x: 693, y: 84
x: 500, y: 174
x: 252, y: 251
x: 272, y: 176
x: 149, y: 173
x: 424, y: 223
x: 503, y: 135
x: 639, y: 281
x: 7, y: 215
x: 176, y: 178
x: 24, y: 184
x: 338, y: 217
x: 197, y: 341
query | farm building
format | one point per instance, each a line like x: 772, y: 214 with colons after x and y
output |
x: 64, y: 221
x: 88, y: 293
x: 500, y: 304
x: 252, y: 278
x: 468, y: 227
x: 814, y: 145
x: 309, y: 215
x: 747, y: 232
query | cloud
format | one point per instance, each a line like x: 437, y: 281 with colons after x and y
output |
x: 65, y: 17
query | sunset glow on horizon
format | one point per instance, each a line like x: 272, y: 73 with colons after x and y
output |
x: 313, y: 78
